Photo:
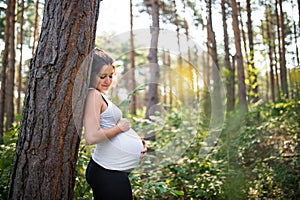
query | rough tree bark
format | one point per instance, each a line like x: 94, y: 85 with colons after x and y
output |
x: 46, y: 151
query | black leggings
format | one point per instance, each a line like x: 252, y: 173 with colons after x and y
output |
x: 108, y: 184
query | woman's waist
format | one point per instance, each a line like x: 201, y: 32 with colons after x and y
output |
x: 124, y: 142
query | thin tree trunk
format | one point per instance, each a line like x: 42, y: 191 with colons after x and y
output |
x: 299, y: 13
x: 243, y: 34
x: 10, y: 115
x: 270, y: 52
x: 186, y: 28
x: 21, y: 58
x: 152, y: 97
x: 267, y: 87
x: 247, y: 63
x: 296, y: 44
x: 232, y: 78
x: 279, y: 45
x: 4, y: 68
x: 179, y: 57
x: 164, y: 75
x: 46, y: 151
x: 283, y: 71
x: 206, y: 83
x: 229, y: 85
x: 276, y: 62
x: 170, y: 79
x: 212, y: 51
x: 36, y: 26
x: 132, y: 64
x: 239, y: 58
x: 253, y: 72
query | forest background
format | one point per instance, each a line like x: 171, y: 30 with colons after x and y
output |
x: 213, y: 87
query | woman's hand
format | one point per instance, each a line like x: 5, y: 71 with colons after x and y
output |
x: 144, y: 151
x: 123, y: 124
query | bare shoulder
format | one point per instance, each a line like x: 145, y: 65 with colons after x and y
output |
x: 94, y: 95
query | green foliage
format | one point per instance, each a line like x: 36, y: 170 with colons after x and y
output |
x: 175, y: 170
x: 82, y: 189
x: 256, y: 157
x: 269, y: 149
x: 7, y: 152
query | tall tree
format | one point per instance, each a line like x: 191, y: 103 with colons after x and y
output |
x: 9, y: 101
x: 253, y: 72
x: 21, y: 57
x: 283, y: 71
x: 296, y: 44
x: 214, y: 65
x: 132, y: 64
x: 270, y: 45
x: 299, y: 13
x: 46, y: 151
x: 8, y: 21
x: 152, y: 97
x: 239, y: 57
x: 179, y: 57
x: 36, y: 26
x: 230, y: 69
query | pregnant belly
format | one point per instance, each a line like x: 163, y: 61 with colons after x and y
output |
x: 131, y: 143
x: 121, y: 152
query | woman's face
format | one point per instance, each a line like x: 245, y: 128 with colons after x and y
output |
x: 105, y: 78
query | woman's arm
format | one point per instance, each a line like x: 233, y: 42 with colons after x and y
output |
x: 92, y: 132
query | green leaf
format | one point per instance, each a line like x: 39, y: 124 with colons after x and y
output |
x: 125, y: 103
x: 178, y: 192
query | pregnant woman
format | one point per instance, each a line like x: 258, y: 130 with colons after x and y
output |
x: 118, y: 147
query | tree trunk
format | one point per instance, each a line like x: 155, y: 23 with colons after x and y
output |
x: 46, y: 151
x: 243, y: 34
x: 132, y: 64
x: 214, y: 66
x: 275, y: 59
x: 230, y: 74
x: 164, y: 75
x: 4, y: 68
x: 181, y: 91
x: 296, y: 44
x: 152, y: 98
x: 283, y: 72
x: 244, y: 45
x: 267, y: 87
x: 36, y: 26
x: 270, y: 52
x: 21, y: 58
x: 9, y: 101
x: 299, y: 13
x: 206, y: 83
x: 279, y: 58
x: 239, y: 58
x: 170, y: 79
x: 253, y: 72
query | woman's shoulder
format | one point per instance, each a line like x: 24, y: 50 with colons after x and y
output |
x: 92, y: 92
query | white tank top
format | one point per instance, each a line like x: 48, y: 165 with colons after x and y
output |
x: 121, y: 152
